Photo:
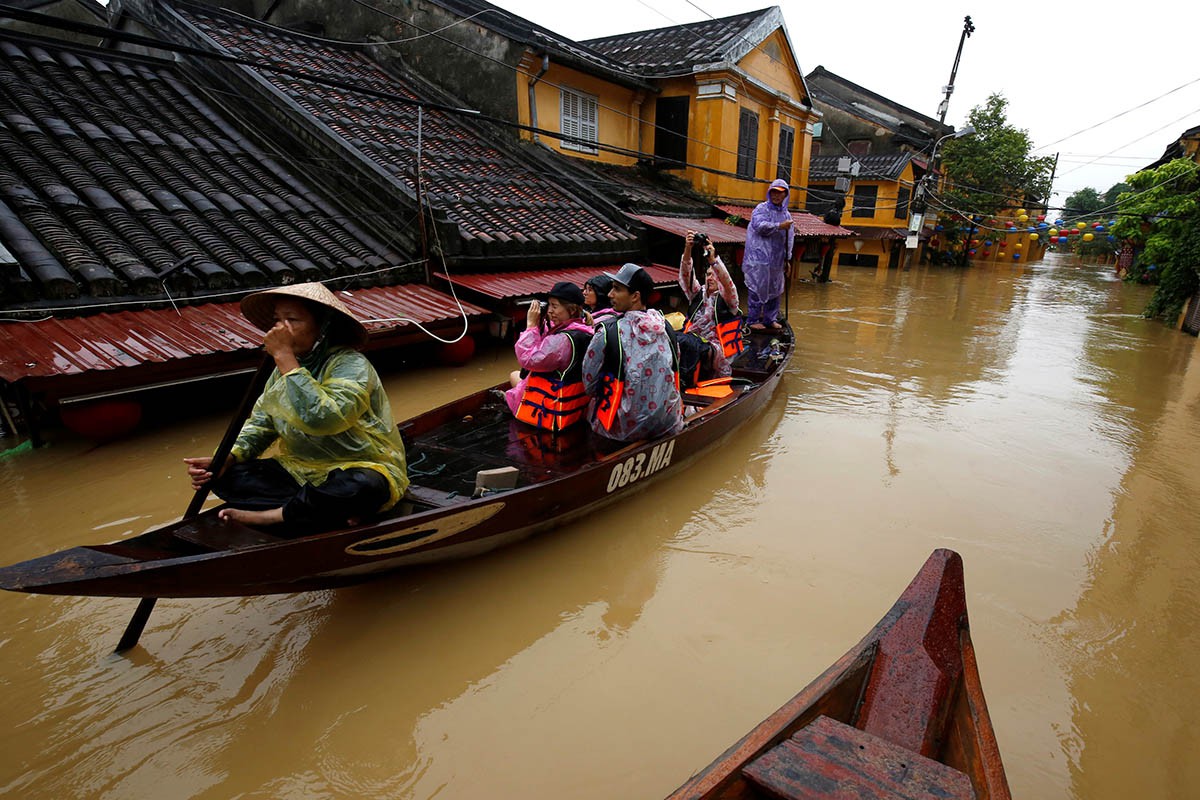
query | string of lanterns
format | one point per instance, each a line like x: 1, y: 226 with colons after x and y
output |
x: 1056, y: 233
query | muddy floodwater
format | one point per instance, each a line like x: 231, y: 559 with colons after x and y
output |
x: 1026, y: 417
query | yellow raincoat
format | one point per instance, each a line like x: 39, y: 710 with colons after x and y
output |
x: 340, y: 418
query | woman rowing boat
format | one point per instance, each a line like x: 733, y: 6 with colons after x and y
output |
x: 340, y: 457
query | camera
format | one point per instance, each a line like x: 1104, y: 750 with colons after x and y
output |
x: 700, y: 240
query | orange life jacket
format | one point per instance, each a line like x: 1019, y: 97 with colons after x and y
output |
x: 557, y: 400
x: 729, y: 324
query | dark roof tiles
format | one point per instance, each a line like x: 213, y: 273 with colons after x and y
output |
x: 115, y: 174
x: 679, y: 48
x: 512, y: 200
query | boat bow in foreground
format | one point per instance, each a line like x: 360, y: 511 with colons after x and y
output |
x: 902, y: 715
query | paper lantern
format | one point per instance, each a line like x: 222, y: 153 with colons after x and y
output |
x: 1087, y: 237
x: 987, y: 253
x: 1100, y: 229
x: 1008, y: 223
x: 1017, y: 246
x: 1003, y: 245
x: 1033, y: 237
x: 987, y: 242
x: 1023, y: 217
x: 1022, y: 213
x: 1053, y: 231
x: 974, y: 242
x: 1058, y: 222
x: 1080, y: 225
x: 1016, y: 256
x: 1041, y: 217
x: 971, y: 252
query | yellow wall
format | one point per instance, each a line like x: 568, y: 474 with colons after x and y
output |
x: 626, y: 119
x: 620, y: 109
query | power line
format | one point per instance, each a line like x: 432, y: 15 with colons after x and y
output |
x: 1120, y: 114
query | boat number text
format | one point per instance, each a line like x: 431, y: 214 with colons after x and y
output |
x: 639, y: 466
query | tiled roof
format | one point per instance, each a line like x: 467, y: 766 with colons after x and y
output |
x: 115, y: 172
x: 510, y: 285
x: 680, y: 48
x: 879, y: 167
x: 499, y: 197
x: 638, y: 189
x: 835, y: 91
x: 805, y: 224
x: 54, y: 349
x: 522, y: 30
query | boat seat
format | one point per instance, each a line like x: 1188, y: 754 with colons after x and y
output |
x: 223, y: 535
x: 862, y: 765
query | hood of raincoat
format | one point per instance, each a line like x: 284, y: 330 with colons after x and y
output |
x: 779, y: 183
x: 572, y: 325
x: 646, y: 326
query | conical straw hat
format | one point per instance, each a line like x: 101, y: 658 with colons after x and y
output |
x: 259, y: 307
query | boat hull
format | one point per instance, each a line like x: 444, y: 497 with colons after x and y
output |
x: 207, y: 557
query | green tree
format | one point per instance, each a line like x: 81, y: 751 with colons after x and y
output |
x: 1160, y: 215
x: 1084, y: 203
x: 1110, y: 197
x: 993, y: 169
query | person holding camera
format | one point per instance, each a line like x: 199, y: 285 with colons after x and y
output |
x: 713, y: 312
x: 769, y: 239
x: 550, y: 394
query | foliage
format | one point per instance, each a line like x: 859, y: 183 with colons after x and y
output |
x: 1160, y: 216
x: 1110, y: 197
x: 1084, y: 203
x: 993, y: 169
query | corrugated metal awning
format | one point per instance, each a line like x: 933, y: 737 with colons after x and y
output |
x: 870, y: 232
x: 806, y: 224
x: 509, y: 285
x: 717, y: 231
x: 102, y: 342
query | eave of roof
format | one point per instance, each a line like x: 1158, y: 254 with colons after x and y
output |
x: 39, y: 352
x: 516, y: 285
x: 804, y: 223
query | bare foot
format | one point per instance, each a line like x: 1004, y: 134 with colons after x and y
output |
x: 272, y: 516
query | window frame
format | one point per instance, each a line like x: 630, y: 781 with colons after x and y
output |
x: 783, y: 170
x: 747, y: 148
x: 581, y: 127
x: 864, y: 211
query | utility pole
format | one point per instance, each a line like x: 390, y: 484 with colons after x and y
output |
x: 948, y: 89
x: 920, y: 200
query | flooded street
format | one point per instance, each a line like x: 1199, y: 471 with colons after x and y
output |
x: 1026, y: 417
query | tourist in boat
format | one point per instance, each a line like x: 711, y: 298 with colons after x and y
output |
x: 712, y: 305
x: 769, y: 240
x: 595, y: 298
x: 631, y: 368
x: 340, y: 457
x: 551, y: 394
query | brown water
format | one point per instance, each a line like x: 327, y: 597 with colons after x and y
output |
x: 1026, y: 417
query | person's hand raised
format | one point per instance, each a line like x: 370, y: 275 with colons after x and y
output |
x: 534, y: 315
x: 280, y: 340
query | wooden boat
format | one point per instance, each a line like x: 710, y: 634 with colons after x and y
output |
x: 902, y: 715
x: 559, y: 478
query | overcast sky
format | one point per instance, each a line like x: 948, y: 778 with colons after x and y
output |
x: 1063, y: 67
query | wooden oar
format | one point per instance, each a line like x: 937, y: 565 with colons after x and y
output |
x: 137, y: 623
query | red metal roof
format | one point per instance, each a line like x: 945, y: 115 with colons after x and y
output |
x: 57, y: 347
x: 806, y: 224
x: 505, y: 285
x: 716, y: 229
x: 871, y: 232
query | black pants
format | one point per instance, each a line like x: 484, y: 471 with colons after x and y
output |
x: 263, y: 484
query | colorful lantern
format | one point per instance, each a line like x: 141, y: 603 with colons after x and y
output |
x: 1053, y: 231
x: 1017, y: 246
x: 1033, y: 237
x: 1087, y: 237
x: 1016, y: 256
x: 1003, y: 245
x: 1080, y: 225
x: 1023, y: 217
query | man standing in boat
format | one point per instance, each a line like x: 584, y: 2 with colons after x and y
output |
x: 631, y: 367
